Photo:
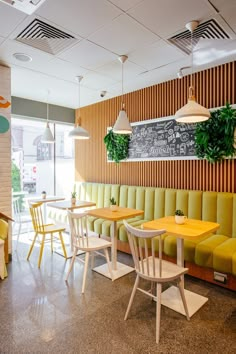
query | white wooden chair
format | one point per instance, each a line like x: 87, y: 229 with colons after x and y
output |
x: 19, y: 219
x: 83, y: 242
x: 151, y: 268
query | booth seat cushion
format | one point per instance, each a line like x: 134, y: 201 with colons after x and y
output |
x: 222, y: 256
x: 170, y: 247
x: 204, y: 250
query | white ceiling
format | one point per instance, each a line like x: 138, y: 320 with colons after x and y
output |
x: 105, y: 29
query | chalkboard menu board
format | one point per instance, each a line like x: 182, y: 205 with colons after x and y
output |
x: 162, y: 139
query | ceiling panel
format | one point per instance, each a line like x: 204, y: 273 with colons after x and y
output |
x: 36, y: 86
x: 9, y: 47
x: 9, y: 19
x: 228, y: 12
x: 79, y: 16
x: 64, y: 70
x: 126, y: 4
x: 155, y: 55
x: 88, y: 55
x: 222, y: 4
x: 123, y: 35
x: 97, y: 81
x: 114, y: 70
x: 165, y: 17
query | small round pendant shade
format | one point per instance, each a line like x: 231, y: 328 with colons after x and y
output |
x: 79, y: 133
x: 122, y: 124
x: 47, y: 137
x: 192, y: 112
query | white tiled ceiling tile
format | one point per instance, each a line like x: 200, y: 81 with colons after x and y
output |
x: 165, y: 17
x: 125, y: 4
x: 10, y: 18
x: 36, y: 86
x: 62, y: 69
x: 229, y: 14
x: 9, y: 47
x: 114, y: 70
x: 79, y: 16
x: 1, y: 41
x: 221, y: 5
x: 155, y: 55
x: 216, y: 52
x: 123, y: 35
x: 97, y: 81
x: 88, y: 55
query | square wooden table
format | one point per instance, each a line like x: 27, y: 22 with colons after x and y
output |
x: 118, y: 269
x: 67, y: 205
x: 46, y: 200
x: 192, y: 229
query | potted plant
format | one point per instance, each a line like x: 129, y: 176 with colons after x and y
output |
x: 73, y: 197
x: 43, y: 194
x: 180, y: 218
x: 113, y: 205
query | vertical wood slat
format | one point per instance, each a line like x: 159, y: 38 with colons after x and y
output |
x: 214, y: 87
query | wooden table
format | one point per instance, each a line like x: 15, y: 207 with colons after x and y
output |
x: 191, y: 230
x: 118, y: 268
x: 46, y: 200
x: 67, y: 205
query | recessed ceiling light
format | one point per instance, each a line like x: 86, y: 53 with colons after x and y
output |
x: 22, y: 57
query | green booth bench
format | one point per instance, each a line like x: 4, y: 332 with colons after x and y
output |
x: 203, y: 257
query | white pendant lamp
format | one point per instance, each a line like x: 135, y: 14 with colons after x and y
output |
x: 122, y: 124
x: 192, y: 112
x: 47, y: 137
x: 78, y: 132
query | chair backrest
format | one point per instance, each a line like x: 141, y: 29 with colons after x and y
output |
x: 79, y: 228
x: 142, y: 244
x: 37, y: 216
x: 16, y: 209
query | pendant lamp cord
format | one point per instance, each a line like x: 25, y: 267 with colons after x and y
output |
x: 122, y: 79
x: 78, y: 122
x: 192, y: 58
x: 47, y: 106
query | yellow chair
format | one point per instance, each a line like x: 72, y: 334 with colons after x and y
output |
x: 3, y: 236
x: 43, y: 229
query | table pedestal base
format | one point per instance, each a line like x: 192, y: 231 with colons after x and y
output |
x: 122, y: 269
x: 171, y: 298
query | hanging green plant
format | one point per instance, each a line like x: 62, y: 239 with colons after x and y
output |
x: 215, y: 138
x: 117, y: 146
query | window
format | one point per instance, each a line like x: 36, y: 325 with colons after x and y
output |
x: 37, y: 166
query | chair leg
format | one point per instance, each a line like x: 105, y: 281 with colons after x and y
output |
x: 71, y: 264
x: 52, y: 243
x: 158, y: 312
x: 85, y: 271
x: 92, y: 260
x: 18, y: 235
x: 32, y: 246
x: 41, y: 251
x: 63, y: 245
x: 108, y: 262
x: 132, y: 297
x: 181, y: 290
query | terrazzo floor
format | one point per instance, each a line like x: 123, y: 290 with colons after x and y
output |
x: 39, y: 313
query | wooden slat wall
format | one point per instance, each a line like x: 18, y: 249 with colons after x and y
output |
x: 214, y: 87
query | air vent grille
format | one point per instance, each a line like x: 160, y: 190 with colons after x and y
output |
x: 206, y: 30
x: 40, y: 35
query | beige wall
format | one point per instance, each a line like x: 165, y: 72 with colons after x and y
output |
x: 5, y: 147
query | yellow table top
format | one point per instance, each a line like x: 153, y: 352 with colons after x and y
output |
x: 192, y: 228
x: 66, y: 205
x: 120, y: 214
x: 48, y: 199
